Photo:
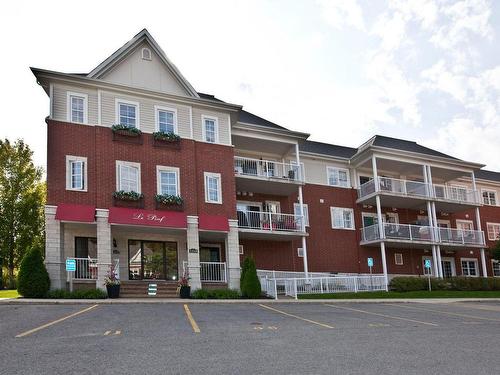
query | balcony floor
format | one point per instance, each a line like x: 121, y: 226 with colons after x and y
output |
x: 264, y: 185
x: 256, y: 234
x: 405, y: 244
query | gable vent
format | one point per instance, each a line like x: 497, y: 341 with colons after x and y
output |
x: 146, y: 54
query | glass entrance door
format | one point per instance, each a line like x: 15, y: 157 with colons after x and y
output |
x: 152, y: 260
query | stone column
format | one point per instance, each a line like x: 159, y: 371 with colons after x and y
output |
x: 54, y: 249
x: 104, y: 246
x: 193, y: 252
x: 233, y: 256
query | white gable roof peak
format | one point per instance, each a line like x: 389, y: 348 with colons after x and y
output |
x: 118, y: 56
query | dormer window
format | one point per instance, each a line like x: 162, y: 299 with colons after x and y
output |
x: 146, y: 54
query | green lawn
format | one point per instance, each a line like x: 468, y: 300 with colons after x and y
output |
x: 9, y: 294
x: 415, y: 294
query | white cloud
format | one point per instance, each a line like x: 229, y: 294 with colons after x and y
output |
x: 340, y: 13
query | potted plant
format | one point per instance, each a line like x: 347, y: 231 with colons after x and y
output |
x: 112, y: 283
x: 184, y: 287
x: 171, y: 202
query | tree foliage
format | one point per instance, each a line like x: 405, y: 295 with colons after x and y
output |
x: 33, y: 281
x: 250, y: 287
x: 22, y: 195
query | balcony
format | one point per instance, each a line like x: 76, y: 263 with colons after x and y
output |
x: 280, y: 178
x: 268, y: 225
x: 413, y: 194
x: 421, y: 234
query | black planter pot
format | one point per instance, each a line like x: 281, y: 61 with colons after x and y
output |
x: 185, y: 292
x: 113, y: 291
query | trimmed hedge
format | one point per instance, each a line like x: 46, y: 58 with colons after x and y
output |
x: 410, y: 284
x: 216, y: 294
x: 33, y: 279
x: 77, y: 294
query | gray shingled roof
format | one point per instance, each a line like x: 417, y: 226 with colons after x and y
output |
x: 328, y: 149
x: 401, y: 144
x: 487, y: 175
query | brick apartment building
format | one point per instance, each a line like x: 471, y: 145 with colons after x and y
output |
x: 249, y: 187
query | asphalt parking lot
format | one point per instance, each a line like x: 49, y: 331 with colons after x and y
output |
x: 277, y: 338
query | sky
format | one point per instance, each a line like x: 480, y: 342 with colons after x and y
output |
x: 341, y: 70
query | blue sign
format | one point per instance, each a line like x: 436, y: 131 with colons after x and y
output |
x: 70, y: 265
x: 370, y: 262
x: 427, y: 263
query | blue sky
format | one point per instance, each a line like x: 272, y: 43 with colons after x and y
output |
x: 340, y: 70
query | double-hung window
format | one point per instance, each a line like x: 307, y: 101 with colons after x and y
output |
x: 77, y: 107
x: 210, y: 129
x: 127, y: 113
x: 495, y: 265
x: 296, y: 211
x: 213, y: 190
x: 76, y: 173
x: 490, y: 197
x: 469, y: 267
x: 168, y: 181
x: 128, y: 176
x: 338, y: 176
x: 342, y: 218
x: 493, y: 230
x: 166, y: 120
x: 458, y: 193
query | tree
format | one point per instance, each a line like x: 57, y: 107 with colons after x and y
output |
x: 22, y: 195
x: 33, y: 281
x: 244, y: 268
x: 251, y: 285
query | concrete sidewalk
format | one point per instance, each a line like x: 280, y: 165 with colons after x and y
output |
x: 153, y: 300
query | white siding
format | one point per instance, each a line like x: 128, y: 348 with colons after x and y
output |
x: 223, y: 122
x: 60, y: 101
x: 315, y: 170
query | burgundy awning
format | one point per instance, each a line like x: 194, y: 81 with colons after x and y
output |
x: 132, y: 216
x: 75, y: 212
x: 216, y: 223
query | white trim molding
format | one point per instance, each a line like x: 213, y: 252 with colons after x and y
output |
x: 119, y: 101
x: 69, y: 114
x: 159, y: 108
x: 216, y: 128
x: 69, y: 160
x: 219, y: 187
x: 121, y: 163
x: 161, y: 168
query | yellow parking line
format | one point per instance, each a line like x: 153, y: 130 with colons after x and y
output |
x: 195, y: 327
x: 382, y: 315
x: 118, y: 332
x: 107, y: 333
x: 450, y: 313
x: 296, y: 316
x: 55, y: 321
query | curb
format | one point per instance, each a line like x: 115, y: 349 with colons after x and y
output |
x: 125, y: 301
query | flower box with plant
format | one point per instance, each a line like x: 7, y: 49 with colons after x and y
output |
x: 169, y: 202
x: 184, y: 288
x: 130, y: 199
x: 128, y: 134
x: 112, y: 283
x: 166, y: 139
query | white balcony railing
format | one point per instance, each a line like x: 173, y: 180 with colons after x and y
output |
x: 417, y: 189
x: 86, y: 269
x: 422, y: 233
x: 211, y: 272
x: 268, y: 221
x: 268, y: 169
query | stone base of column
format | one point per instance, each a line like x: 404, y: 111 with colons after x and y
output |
x: 233, y: 256
x: 195, y: 279
x: 57, y: 275
x: 233, y: 278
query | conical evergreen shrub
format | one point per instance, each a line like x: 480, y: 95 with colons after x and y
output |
x: 251, y: 285
x: 33, y: 278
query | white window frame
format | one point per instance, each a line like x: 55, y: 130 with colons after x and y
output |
x: 332, y: 217
x: 457, y: 187
x: 493, y: 263
x: 452, y: 262
x: 162, y: 168
x: 119, y: 101
x: 241, y: 249
x: 219, y: 186
x: 69, y: 160
x: 489, y: 199
x: 469, y: 260
x: 300, y: 252
x: 330, y: 169
x: 150, y: 54
x: 69, y: 115
x: 159, y: 108
x: 120, y: 163
x: 462, y: 221
x: 488, y: 231
x: 296, y: 210
x: 216, y: 127
x: 398, y: 256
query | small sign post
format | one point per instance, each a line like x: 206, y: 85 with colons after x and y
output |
x: 70, y: 268
x: 370, y: 266
x: 152, y: 288
x: 427, y: 265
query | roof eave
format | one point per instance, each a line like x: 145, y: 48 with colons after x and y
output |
x: 263, y: 128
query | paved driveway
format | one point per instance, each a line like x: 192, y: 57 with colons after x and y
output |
x: 277, y: 338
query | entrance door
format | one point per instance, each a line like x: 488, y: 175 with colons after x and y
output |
x: 448, y: 267
x: 210, y: 271
x: 152, y: 260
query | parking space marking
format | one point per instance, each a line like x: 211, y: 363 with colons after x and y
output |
x: 108, y: 333
x: 55, y: 322
x: 382, y: 315
x: 448, y: 313
x: 195, y: 327
x: 296, y: 316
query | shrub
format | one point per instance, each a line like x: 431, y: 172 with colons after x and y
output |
x: 128, y: 195
x: 7, y: 282
x: 407, y: 284
x: 216, y: 294
x: 166, y: 136
x: 251, y: 285
x: 125, y: 128
x: 244, y: 268
x: 33, y: 278
x: 77, y: 294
